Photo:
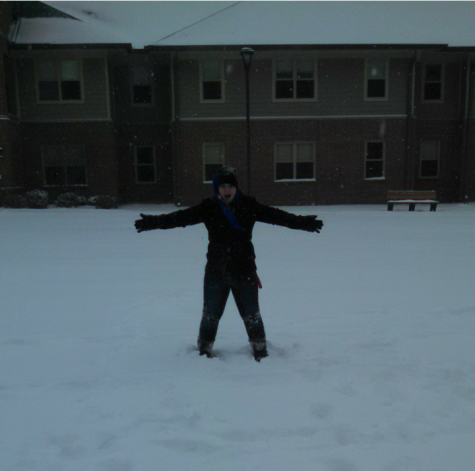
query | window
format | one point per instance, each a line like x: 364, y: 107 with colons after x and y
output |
x: 376, y: 79
x: 429, y: 159
x: 213, y: 160
x: 64, y: 166
x: 212, y: 81
x: 145, y: 165
x: 294, y: 161
x: 433, y: 80
x: 374, y: 160
x: 142, y: 86
x: 59, y: 81
x: 295, y: 80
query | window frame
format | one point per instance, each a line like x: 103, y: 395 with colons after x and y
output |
x: 203, y: 158
x: 294, y: 161
x: 65, y: 184
x: 386, y: 80
x: 439, y: 146
x: 132, y: 85
x: 222, y: 82
x: 137, y: 165
x: 294, y: 79
x: 366, y: 160
x: 442, y: 82
x: 57, y: 62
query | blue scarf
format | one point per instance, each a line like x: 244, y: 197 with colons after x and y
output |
x: 227, y: 212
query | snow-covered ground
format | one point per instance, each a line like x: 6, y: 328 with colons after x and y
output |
x: 372, y: 345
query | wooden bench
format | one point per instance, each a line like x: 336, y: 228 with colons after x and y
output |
x: 412, y: 198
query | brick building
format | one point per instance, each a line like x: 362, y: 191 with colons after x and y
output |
x: 86, y: 106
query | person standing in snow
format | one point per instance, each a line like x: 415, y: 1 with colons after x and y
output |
x: 229, y: 217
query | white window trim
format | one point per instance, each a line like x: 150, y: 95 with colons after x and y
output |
x: 132, y: 84
x: 442, y: 82
x: 438, y: 160
x: 366, y: 160
x: 58, y: 69
x: 294, y: 78
x: 203, y: 160
x: 137, y: 165
x: 294, y: 157
x: 65, y: 184
x: 386, y: 85
x: 222, y: 78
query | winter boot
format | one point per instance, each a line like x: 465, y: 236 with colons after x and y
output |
x: 259, y: 350
x: 205, y: 349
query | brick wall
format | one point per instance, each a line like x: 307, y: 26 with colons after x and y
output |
x: 11, y: 166
x: 449, y: 133
x: 3, y: 78
x: 340, y: 148
x: 145, y: 135
x: 469, y: 184
x: 99, y: 140
x: 6, y: 13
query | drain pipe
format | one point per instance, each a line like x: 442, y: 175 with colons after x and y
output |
x: 176, y: 195
x: 410, y: 119
x: 466, y: 130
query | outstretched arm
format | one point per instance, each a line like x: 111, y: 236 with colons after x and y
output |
x: 274, y: 216
x: 180, y: 218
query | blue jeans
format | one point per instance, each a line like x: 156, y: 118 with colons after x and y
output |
x: 216, y: 292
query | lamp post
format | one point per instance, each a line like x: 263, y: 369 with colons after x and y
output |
x: 246, y: 54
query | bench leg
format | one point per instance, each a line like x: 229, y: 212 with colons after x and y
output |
x: 433, y: 207
x: 412, y: 206
x: 390, y: 206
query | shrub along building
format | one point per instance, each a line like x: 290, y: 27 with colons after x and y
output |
x: 145, y: 100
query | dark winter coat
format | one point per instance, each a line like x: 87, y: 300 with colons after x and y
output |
x: 229, y: 249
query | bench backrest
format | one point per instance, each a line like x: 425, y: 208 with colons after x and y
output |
x: 412, y: 195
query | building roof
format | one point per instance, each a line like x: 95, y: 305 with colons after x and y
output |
x: 252, y: 23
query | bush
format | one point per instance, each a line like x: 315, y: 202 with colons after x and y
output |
x: 70, y: 200
x: 37, y: 199
x: 104, y: 201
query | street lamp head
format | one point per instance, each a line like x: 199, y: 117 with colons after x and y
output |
x: 246, y: 54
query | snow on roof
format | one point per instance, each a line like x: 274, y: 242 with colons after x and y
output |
x: 202, y: 23
x: 140, y: 23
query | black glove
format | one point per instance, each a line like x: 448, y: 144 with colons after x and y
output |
x: 310, y: 223
x: 147, y: 223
